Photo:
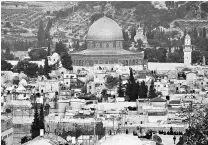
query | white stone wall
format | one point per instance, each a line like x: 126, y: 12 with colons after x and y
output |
x: 7, y: 136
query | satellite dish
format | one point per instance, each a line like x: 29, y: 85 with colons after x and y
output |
x: 68, y: 138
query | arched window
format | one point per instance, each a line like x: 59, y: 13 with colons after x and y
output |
x: 133, y: 62
x: 104, y: 45
x: 117, y: 43
x: 111, y: 45
x: 97, y: 45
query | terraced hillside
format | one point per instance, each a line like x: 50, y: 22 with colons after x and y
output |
x: 26, y: 15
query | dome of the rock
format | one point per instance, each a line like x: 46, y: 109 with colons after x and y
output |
x: 105, y: 29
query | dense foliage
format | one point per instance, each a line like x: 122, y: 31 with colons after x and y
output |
x: 152, y: 91
x: 35, y: 124
x: 66, y: 61
x: 120, y: 90
x: 111, y: 82
x: 30, y: 69
x: 197, y: 133
x: 18, y: 45
x: 5, y: 66
x: 132, y: 88
x: 37, y: 54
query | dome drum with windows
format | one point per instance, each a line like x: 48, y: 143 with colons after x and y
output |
x: 105, y: 46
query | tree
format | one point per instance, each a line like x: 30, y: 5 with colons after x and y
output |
x: 194, y: 33
x: 3, y: 142
x: 41, y: 34
x: 104, y: 94
x: 35, y: 125
x: 30, y: 69
x: 8, y: 25
x: 41, y: 70
x: 197, y: 133
x: 78, y: 131
x: 46, y: 67
x: 7, y: 55
x: 139, y: 44
x: 49, y: 48
x: 133, y: 33
x: 47, y: 29
x: 5, y: 66
x: 204, y: 33
x: 60, y: 48
x: 41, y: 119
x: 111, y: 82
x: 37, y: 54
x: 24, y: 139
x: 125, y: 35
x: 66, y: 61
x: 132, y: 88
x: 143, y: 90
x: 152, y: 91
x: 131, y: 76
x: 120, y: 91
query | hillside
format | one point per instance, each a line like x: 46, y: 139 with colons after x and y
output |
x: 75, y: 21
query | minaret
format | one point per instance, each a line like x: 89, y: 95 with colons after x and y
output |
x: 187, y: 49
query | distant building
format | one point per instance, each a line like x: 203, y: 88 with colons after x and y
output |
x: 187, y: 50
x: 105, y: 46
x: 140, y: 35
x: 49, y: 86
x: 7, y: 130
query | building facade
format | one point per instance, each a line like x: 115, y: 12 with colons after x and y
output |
x: 105, y: 46
x: 187, y: 51
x: 7, y: 130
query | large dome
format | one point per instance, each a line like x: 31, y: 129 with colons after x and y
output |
x: 105, y: 29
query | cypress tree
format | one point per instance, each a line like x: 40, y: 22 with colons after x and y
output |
x: 195, y: 33
x: 131, y: 77
x: 185, y: 32
x: 35, y: 125
x: 152, y: 91
x: 57, y: 47
x: 46, y: 67
x: 60, y: 48
x: 133, y: 33
x: 3, y: 142
x: 49, y: 48
x: 41, y: 34
x: 120, y: 91
x: 41, y: 119
x: 132, y: 88
x: 47, y: 29
x: 143, y: 90
x: 204, y: 32
x: 66, y: 61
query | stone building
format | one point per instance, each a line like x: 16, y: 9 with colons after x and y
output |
x: 105, y: 46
